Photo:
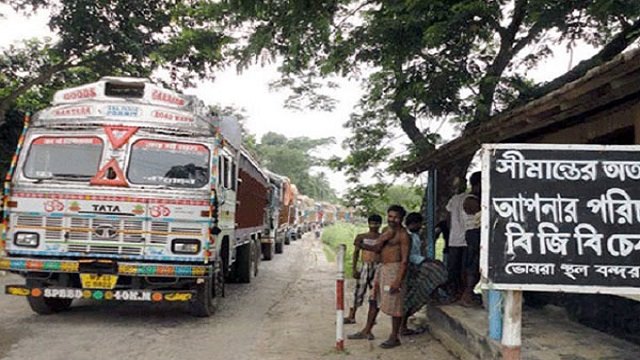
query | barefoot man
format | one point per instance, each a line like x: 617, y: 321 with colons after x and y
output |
x: 393, y: 246
x: 364, y: 273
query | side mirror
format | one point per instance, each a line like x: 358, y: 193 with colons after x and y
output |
x: 216, y: 230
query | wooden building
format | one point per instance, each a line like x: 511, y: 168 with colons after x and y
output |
x: 602, y: 107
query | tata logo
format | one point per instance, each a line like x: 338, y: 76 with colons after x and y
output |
x: 105, y: 232
x: 105, y: 208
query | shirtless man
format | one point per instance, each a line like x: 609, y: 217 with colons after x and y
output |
x: 393, y: 246
x: 364, y: 273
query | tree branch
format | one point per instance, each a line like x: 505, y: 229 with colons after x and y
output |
x: 617, y: 45
x: 45, y: 75
x: 489, y: 81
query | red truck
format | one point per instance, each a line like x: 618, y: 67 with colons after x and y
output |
x: 251, y: 220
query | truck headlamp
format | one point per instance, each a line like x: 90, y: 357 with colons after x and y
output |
x: 26, y: 239
x: 185, y: 246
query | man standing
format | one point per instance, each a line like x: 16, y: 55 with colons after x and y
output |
x: 393, y: 246
x: 457, y: 247
x: 423, y: 277
x: 364, y: 274
x: 471, y: 261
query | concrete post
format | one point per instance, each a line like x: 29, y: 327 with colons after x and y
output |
x: 340, y: 299
x: 512, y: 327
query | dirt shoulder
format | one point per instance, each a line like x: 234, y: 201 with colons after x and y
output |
x: 302, y: 324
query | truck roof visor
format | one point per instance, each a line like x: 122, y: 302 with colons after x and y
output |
x: 130, y: 90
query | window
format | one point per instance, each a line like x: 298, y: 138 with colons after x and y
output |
x: 181, y: 165
x: 63, y: 158
x: 226, y: 172
x: 234, y: 181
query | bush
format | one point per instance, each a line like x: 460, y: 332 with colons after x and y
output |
x: 341, y: 233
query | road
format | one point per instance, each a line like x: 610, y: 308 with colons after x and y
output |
x: 287, y: 312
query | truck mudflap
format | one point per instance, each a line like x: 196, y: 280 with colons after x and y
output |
x: 103, y: 266
x: 101, y: 295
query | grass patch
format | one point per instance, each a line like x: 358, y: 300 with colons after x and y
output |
x: 341, y: 233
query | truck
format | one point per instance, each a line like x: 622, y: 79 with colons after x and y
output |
x: 254, y: 193
x: 283, y: 207
x: 123, y: 190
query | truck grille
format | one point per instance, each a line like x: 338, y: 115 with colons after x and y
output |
x: 126, y: 231
x: 109, y: 236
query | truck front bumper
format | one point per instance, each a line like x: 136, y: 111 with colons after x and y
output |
x: 101, y: 294
x: 123, y: 268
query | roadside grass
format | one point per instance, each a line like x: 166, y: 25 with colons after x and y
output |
x: 341, y: 233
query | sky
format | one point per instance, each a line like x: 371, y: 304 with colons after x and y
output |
x: 264, y: 108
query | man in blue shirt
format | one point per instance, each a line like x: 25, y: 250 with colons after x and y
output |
x: 423, y: 276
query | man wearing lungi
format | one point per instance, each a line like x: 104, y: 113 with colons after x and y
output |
x: 423, y: 276
x: 393, y: 246
x: 364, y: 273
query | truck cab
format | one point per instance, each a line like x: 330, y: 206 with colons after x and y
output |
x: 121, y: 190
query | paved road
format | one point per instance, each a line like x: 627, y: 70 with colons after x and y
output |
x: 287, y: 312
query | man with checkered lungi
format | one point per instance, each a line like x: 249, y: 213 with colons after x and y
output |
x: 364, y: 273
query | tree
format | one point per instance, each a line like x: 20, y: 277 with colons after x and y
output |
x: 376, y: 198
x: 460, y: 60
x: 109, y: 37
x: 293, y: 158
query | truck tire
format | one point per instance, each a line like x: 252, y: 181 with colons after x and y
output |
x: 267, y: 251
x: 46, y: 306
x: 255, y: 255
x: 287, y: 240
x: 206, y: 301
x: 279, y: 247
x: 243, y: 265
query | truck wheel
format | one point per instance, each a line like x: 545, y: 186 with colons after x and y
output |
x: 206, y: 301
x: 279, y: 247
x: 255, y: 256
x: 267, y: 251
x: 243, y: 265
x: 287, y: 240
x: 46, y: 306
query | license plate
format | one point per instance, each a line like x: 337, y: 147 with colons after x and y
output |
x: 95, y: 281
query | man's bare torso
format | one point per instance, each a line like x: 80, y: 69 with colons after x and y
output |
x: 369, y: 256
x: 391, y: 253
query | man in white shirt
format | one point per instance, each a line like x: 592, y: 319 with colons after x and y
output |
x: 457, y: 244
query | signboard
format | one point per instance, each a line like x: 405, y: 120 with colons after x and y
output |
x: 561, y: 218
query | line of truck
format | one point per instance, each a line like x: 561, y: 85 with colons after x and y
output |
x: 125, y: 190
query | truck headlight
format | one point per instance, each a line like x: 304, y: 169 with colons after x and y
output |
x: 26, y: 239
x: 185, y: 246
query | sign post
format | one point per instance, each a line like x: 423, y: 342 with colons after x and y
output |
x: 562, y: 218
x: 512, y: 325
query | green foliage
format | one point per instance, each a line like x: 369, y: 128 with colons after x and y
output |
x: 99, y: 38
x: 376, y: 198
x: 342, y: 233
x: 459, y: 60
x: 293, y: 158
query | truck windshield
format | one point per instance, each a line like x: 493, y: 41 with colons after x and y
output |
x: 169, y: 163
x: 67, y: 158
